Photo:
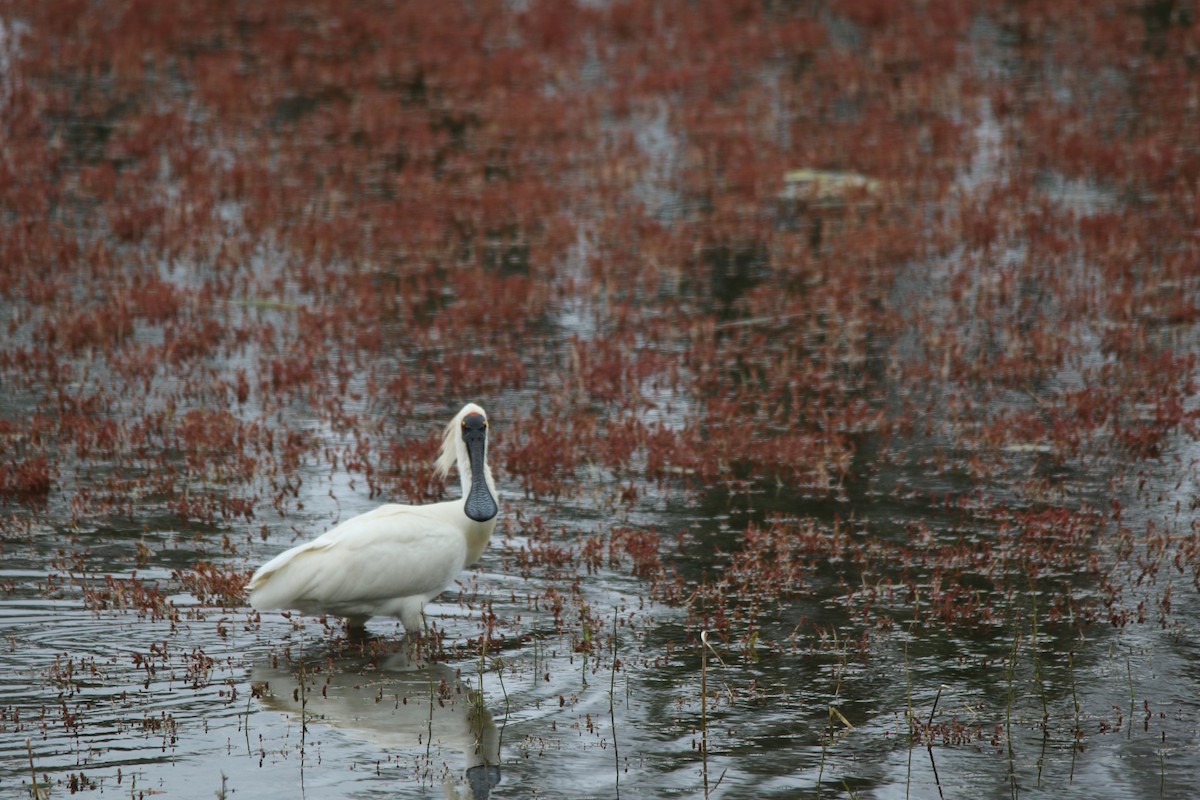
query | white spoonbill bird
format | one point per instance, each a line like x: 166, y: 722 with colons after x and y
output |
x: 395, y: 559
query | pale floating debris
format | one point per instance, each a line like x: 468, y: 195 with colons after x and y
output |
x: 1027, y: 447
x: 770, y: 319
x: 260, y: 302
x: 826, y: 188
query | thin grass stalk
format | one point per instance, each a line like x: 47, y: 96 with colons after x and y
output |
x: 911, y: 725
x: 937, y: 781
x: 704, y: 710
x: 612, y: 714
x: 932, y: 712
x: 432, y: 696
x: 1037, y: 663
x: 706, y: 646
x: 303, y: 704
x: 1012, y: 669
x: 1035, y: 651
x: 1076, y: 731
x: 1132, y: 696
x: 36, y: 791
x: 249, y: 697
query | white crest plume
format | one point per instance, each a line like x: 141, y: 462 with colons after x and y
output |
x: 452, y: 440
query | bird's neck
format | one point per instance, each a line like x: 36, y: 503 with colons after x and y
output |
x: 478, y: 535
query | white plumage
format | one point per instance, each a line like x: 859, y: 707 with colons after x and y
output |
x: 395, y: 559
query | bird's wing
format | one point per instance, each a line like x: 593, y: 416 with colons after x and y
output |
x: 351, y: 528
x: 393, y: 551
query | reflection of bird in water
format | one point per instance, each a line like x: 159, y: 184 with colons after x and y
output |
x: 395, y: 559
x: 395, y: 705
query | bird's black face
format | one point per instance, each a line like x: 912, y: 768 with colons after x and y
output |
x: 474, y: 426
x: 480, y: 505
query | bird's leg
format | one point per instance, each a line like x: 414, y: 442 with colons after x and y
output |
x: 356, y: 627
x: 416, y: 638
x: 423, y: 635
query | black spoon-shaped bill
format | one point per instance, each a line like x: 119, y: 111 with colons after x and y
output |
x: 480, y: 505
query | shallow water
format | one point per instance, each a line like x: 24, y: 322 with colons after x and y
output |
x: 130, y: 703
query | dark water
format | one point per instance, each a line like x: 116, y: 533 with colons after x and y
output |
x: 139, y: 704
